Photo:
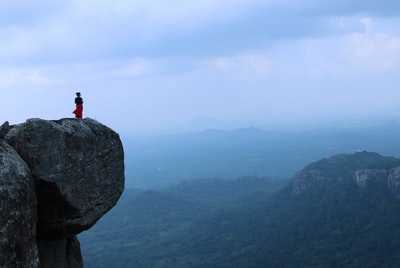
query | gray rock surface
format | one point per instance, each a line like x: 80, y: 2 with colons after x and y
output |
x: 389, y: 178
x: 18, y: 215
x: 303, y: 179
x: 4, y: 128
x: 57, y: 178
x: 78, y: 170
x: 365, y: 176
x: 64, y: 253
x: 394, y: 181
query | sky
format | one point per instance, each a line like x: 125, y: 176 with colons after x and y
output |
x: 160, y: 66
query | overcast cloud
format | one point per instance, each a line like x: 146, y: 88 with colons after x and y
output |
x: 149, y: 66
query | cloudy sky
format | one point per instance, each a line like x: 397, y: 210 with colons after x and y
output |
x: 163, y: 65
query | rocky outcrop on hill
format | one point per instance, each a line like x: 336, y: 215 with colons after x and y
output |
x: 394, y: 182
x: 73, y: 170
x: 389, y: 178
x: 365, y: 176
x: 364, y: 168
x: 304, y: 179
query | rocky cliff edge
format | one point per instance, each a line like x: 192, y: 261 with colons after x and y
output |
x: 57, y: 178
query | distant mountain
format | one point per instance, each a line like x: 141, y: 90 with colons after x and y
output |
x: 365, y: 168
x: 161, y: 161
x: 340, y: 211
x: 344, y: 215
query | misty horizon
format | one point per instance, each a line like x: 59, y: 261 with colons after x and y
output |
x: 151, y: 67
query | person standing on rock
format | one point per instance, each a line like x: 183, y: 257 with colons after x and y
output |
x: 79, y: 106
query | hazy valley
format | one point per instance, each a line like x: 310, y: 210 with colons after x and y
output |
x: 227, y: 199
x: 160, y: 161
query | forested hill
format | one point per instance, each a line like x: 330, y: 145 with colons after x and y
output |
x: 345, y: 216
x: 151, y: 228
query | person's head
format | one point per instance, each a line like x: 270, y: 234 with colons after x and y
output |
x: 78, y: 94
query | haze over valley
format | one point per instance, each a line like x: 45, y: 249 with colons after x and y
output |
x: 164, y: 160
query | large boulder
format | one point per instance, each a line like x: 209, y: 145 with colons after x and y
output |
x: 78, y: 169
x: 17, y: 212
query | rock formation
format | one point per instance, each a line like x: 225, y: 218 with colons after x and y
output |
x: 17, y: 211
x: 74, y: 171
x: 364, y: 176
x: 390, y: 178
x: 394, y: 181
x: 306, y: 178
x: 364, y: 168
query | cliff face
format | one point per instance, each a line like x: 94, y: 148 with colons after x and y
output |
x: 73, y: 170
x: 390, y: 178
x: 17, y: 211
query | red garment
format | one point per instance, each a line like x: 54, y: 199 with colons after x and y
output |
x: 78, y: 111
